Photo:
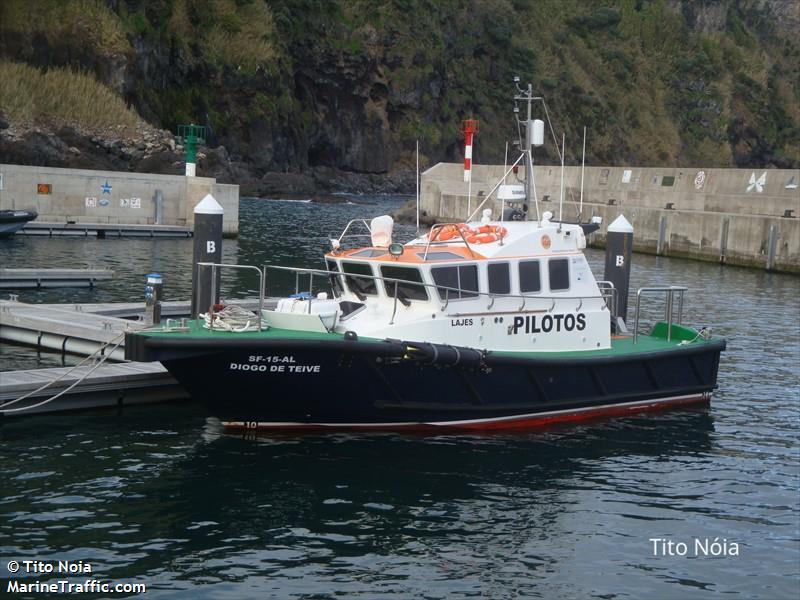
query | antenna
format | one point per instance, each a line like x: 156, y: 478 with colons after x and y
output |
x: 505, y: 176
x: 561, y: 200
x: 583, y: 167
x: 417, y: 187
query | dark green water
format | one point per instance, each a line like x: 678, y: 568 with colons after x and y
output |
x: 157, y: 495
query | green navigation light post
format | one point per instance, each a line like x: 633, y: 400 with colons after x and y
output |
x: 190, y: 136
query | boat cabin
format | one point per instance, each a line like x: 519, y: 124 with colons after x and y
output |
x: 527, y: 288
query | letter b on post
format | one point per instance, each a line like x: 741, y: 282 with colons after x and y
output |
x: 211, y: 247
x: 620, y: 260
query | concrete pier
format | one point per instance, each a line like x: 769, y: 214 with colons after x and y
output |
x: 743, y: 217
x: 79, y: 196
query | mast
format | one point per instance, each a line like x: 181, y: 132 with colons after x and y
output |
x: 534, y: 136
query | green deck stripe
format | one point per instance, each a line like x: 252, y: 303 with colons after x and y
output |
x: 654, y: 342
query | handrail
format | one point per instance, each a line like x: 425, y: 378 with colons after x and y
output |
x: 363, y: 221
x: 607, y: 290
x: 669, y: 292
x: 214, y: 266
x: 447, y: 289
x: 442, y: 225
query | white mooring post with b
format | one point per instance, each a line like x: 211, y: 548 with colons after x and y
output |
x: 619, y: 249
x: 207, y: 249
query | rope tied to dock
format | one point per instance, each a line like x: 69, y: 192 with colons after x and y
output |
x: 231, y: 318
x: 104, y: 358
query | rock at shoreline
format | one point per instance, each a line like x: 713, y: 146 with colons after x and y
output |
x: 407, y: 214
x: 155, y: 151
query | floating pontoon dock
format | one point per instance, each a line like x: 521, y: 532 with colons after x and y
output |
x: 107, y: 386
x: 61, y: 329
x: 84, y: 329
x: 17, y: 279
x: 103, y: 230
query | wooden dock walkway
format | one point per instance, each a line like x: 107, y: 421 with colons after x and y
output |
x: 109, y: 385
x: 17, y: 279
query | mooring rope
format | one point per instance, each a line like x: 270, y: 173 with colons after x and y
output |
x: 105, y: 357
x: 705, y: 333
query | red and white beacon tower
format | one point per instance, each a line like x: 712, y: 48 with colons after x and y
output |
x: 469, y: 127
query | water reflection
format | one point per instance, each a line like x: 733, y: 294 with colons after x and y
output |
x: 170, y: 503
x: 154, y: 494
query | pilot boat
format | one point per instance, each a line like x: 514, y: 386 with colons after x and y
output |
x: 487, y: 324
x: 512, y: 332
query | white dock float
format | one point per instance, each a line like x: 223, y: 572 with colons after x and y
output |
x: 83, y: 328
x: 17, y: 279
x: 104, y: 230
x: 61, y: 329
x: 109, y: 385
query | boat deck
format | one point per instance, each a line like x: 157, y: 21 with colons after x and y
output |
x: 620, y: 345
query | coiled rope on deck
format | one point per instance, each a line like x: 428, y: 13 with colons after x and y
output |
x: 231, y: 318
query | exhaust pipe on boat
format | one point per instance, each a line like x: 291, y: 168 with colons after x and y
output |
x: 443, y: 355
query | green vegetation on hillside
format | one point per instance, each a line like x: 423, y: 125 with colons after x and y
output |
x: 353, y: 84
x: 86, y: 25
x: 62, y: 95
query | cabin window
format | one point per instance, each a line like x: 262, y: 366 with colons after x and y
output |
x: 463, y: 280
x: 369, y: 253
x: 559, y: 274
x: 359, y: 285
x: 409, y: 288
x: 499, y: 278
x: 530, y: 278
x: 336, y: 281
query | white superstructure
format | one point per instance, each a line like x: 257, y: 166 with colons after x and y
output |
x: 529, y: 290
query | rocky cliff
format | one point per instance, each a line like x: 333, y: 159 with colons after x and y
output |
x: 299, y: 95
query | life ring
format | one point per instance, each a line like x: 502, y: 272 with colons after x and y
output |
x: 448, y: 232
x: 486, y: 234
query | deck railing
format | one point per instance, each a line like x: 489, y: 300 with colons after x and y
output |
x: 604, y: 290
x: 214, y: 267
x: 670, y: 292
x: 608, y: 293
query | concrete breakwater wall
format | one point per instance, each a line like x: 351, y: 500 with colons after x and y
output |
x: 114, y: 197
x: 734, y: 216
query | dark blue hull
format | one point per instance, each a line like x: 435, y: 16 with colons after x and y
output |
x: 353, y: 384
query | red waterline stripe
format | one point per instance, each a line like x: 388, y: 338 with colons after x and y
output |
x: 514, y: 422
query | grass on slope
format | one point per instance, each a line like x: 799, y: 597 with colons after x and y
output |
x: 61, y: 94
x: 87, y: 24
